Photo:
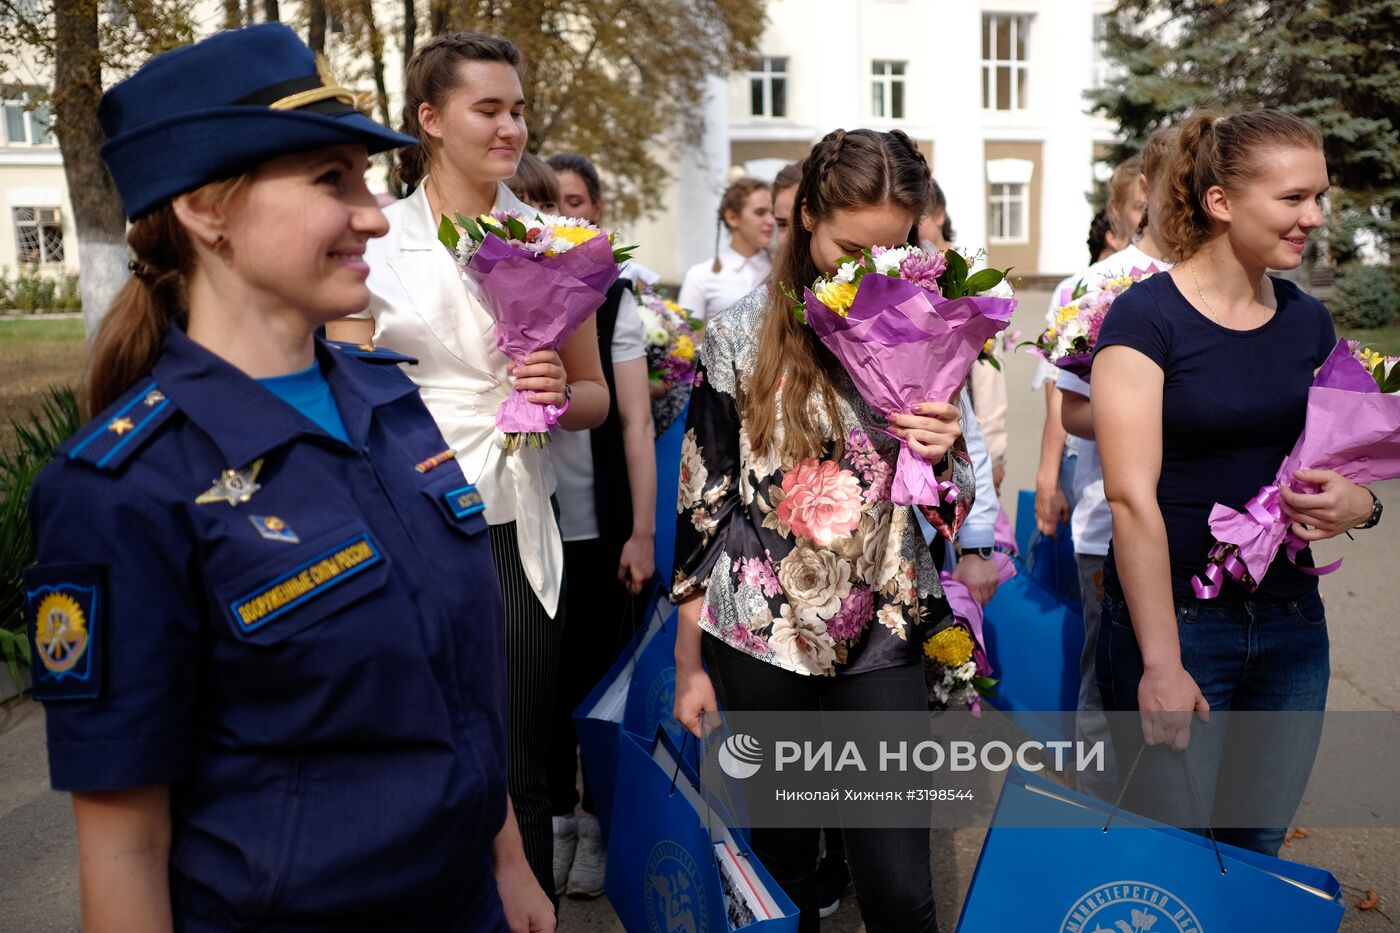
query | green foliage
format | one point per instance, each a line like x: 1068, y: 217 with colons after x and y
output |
x: 33, y: 291
x: 33, y: 445
x: 1333, y: 63
x: 1364, y: 297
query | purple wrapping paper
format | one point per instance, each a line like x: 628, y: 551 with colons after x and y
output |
x: 538, y: 302
x: 967, y: 610
x: 901, y: 346
x: 1351, y: 428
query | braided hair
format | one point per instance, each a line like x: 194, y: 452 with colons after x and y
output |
x: 844, y: 171
x: 733, y: 199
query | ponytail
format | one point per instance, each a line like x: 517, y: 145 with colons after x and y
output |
x: 128, y: 341
x: 1212, y: 151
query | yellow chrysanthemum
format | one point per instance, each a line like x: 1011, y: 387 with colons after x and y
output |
x: 673, y: 307
x: 952, y: 646
x: 1371, y: 359
x: 574, y: 235
x: 1066, y: 314
x: 837, y: 296
x: 989, y: 345
x: 685, y: 348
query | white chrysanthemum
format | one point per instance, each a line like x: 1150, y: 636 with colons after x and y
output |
x: 888, y: 261
x: 846, y: 273
x: 1002, y: 289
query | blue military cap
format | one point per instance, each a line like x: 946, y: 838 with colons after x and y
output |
x: 221, y: 106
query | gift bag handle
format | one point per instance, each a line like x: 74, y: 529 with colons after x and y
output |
x: 1191, y: 789
x: 700, y: 786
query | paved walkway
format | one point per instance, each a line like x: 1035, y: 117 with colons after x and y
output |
x: 37, y: 847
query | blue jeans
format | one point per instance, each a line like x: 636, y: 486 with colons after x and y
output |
x: 1254, y: 656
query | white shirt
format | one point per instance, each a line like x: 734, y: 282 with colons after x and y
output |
x: 1092, y: 522
x: 424, y: 308
x: 572, y: 451
x: 705, y: 292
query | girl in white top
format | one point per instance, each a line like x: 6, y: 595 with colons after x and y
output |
x: 463, y: 100
x: 743, y: 264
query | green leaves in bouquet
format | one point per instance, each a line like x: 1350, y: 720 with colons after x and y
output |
x: 472, y: 228
x: 799, y: 305
x: 953, y: 282
x: 985, y: 686
x: 448, y: 235
x: 1389, y: 383
x: 24, y: 454
x: 979, y: 282
x: 1080, y: 290
x: 623, y: 253
x: 516, y: 229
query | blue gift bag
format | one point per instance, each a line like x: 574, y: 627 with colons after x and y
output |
x: 637, y: 695
x: 1033, y: 639
x: 673, y: 862
x: 1049, y: 560
x: 668, y: 478
x: 1072, y: 876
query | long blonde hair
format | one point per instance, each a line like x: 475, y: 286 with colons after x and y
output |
x: 860, y: 168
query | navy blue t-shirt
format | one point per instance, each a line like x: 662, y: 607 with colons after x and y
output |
x: 1233, y: 405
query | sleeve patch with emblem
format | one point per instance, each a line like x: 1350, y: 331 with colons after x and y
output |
x: 63, y: 607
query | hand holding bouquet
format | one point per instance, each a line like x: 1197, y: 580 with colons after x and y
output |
x: 671, y: 355
x: 1352, y: 428
x: 1069, y: 343
x: 907, y: 325
x: 540, y: 277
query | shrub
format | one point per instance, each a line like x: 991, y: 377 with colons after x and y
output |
x: 31, y: 447
x: 32, y: 291
x: 1365, y: 297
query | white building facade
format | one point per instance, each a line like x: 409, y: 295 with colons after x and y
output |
x: 992, y: 92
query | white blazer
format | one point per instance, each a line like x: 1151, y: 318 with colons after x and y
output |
x: 423, y: 308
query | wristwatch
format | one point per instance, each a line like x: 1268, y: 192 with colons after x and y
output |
x: 983, y: 552
x: 1375, y: 518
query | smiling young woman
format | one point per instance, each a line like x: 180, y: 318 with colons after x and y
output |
x: 464, y: 102
x: 1200, y: 386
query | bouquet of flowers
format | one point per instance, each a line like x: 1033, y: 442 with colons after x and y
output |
x: 956, y: 669
x: 907, y: 325
x: 670, y: 356
x: 1069, y: 343
x: 1352, y: 427
x: 540, y: 277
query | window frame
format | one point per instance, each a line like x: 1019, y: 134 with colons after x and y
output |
x: 38, y: 223
x: 19, y: 98
x: 764, y: 70
x: 1005, y: 199
x: 885, y: 73
x: 1019, y: 70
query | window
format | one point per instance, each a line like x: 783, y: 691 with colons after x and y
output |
x: 26, y: 124
x: 1008, y: 213
x: 38, y: 235
x: 887, y: 90
x: 1098, y: 67
x: 1005, y: 60
x: 768, y: 87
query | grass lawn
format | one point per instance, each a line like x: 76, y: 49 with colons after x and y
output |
x: 35, y: 354
x: 1381, y: 339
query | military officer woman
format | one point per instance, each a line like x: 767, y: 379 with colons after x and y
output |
x: 265, y: 619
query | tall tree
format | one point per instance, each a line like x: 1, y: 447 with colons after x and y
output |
x: 410, y: 30
x: 233, y: 15
x: 80, y: 40
x: 271, y: 11
x: 1333, y: 62
x: 316, y: 25
x: 610, y: 78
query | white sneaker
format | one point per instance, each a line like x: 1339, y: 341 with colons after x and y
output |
x: 590, y: 860
x: 565, y: 842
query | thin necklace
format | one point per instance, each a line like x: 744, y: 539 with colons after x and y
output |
x: 1211, y: 311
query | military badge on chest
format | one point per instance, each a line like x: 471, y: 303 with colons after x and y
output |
x: 233, y: 486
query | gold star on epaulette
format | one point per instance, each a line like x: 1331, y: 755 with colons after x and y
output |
x: 120, y: 426
x: 233, y: 486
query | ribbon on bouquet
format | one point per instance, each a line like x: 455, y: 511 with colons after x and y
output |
x: 1224, y: 559
x: 914, y: 481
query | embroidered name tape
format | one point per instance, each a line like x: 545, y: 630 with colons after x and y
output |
x: 464, y: 501
x: 303, y: 583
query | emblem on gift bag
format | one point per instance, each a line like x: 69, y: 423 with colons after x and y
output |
x: 1129, y: 907
x: 674, y: 895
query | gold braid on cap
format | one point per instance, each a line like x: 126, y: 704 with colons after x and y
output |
x: 330, y: 89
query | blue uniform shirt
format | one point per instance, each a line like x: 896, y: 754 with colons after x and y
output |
x: 302, y: 637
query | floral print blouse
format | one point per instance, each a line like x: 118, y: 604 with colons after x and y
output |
x: 806, y: 565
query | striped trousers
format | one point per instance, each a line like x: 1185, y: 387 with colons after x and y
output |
x: 532, y: 665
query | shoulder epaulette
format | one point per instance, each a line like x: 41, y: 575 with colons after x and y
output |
x: 107, y: 441
x: 365, y: 351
